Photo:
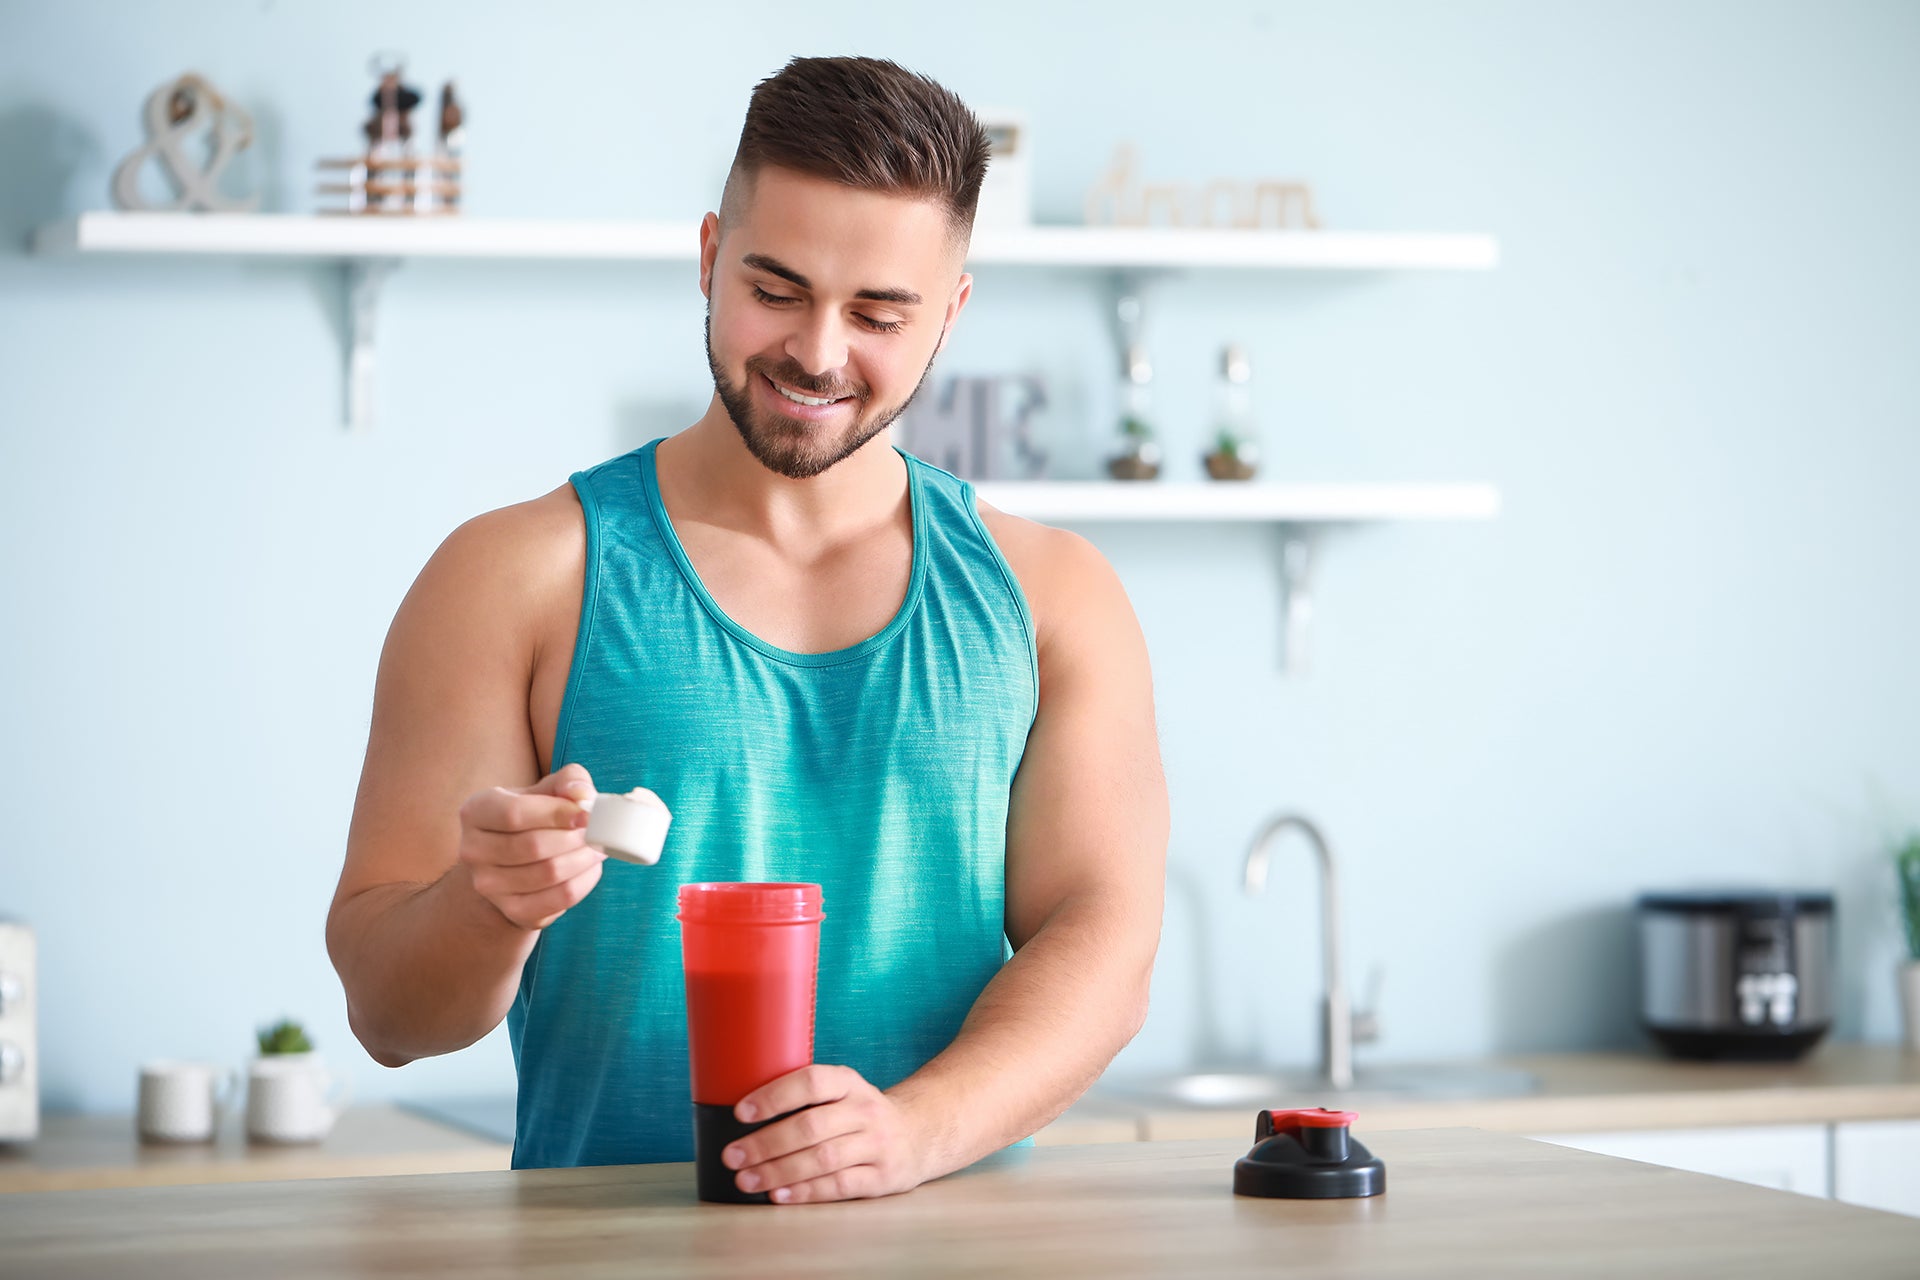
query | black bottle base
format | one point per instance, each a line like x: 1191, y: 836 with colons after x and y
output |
x: 713, y: 1128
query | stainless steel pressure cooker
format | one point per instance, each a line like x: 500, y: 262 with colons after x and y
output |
x: 1736, y: 973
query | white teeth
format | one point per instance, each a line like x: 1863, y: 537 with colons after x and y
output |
x: 798, y: 399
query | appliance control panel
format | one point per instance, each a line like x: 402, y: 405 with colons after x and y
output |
x: 1767, y: 997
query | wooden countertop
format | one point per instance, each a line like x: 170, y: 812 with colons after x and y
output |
x: 1458, y: 1202
x: 1578, y: 1093
x: 92, y: 1151
x: 1587, y: 1092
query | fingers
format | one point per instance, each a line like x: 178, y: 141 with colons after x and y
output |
x: 549, y: 802
x: 829, y: 1132
x: 525, y: 850
x: 861, y: 1182
x: 798, y: 1132
x: 498, y: 882
x: 540, y: 909
x: 807, y: 1087
x: 504, y: 810
x: 838, y: 1154
x: 847, y: 1140
x: 569, y: 780
x: 497, y: 849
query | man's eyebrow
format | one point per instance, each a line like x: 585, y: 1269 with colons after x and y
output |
x: 774, y: 267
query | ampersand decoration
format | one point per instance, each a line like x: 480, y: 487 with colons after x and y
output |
x: 175, y: 112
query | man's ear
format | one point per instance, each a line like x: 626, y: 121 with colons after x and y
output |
x: 709, y: 252
x: 955, y: 305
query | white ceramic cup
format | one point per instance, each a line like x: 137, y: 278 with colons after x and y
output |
x: 292, y: 1097
x: 183, y: 1101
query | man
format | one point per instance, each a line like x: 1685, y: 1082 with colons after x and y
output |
x: 831, y: 662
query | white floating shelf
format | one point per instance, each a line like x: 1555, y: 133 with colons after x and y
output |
x: 1234, y: 500
x: 306, y: 236
x: 367, y: 249
x: 1146, y: 248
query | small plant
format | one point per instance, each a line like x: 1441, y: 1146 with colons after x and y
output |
x: 1233, y: 456
x: 1139, y: 456
x: 1906, y: 862
x: 284, y: 1036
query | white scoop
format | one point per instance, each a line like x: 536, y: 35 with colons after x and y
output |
x: 630, y: 827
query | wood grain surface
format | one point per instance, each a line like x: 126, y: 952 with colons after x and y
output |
x: 87, y: 1152
x: 1589, y: 1092
x: 1459, y: 1202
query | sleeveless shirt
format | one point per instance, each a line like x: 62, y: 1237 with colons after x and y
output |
x: 880, y: 771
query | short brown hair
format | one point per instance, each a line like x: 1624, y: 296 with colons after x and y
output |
x: 866, y: 123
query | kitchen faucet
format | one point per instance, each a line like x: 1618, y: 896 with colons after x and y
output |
x: 1340, y: 1027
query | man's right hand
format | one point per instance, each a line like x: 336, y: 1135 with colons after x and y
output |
x: 525, y: 848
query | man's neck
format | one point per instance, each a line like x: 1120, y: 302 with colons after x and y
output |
x: 711, y: 476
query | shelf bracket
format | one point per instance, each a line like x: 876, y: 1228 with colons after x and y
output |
x: 1298, y: 553
x: 364, y: 278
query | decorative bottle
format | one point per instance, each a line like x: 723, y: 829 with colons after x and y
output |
x: 1136, y: 451
x: 1234, y: 452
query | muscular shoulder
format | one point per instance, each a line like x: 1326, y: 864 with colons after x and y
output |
x: 516, y: 565
x: 1072, y: 591
x: 523, y: 537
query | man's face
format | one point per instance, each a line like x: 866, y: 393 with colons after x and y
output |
x: 820, y: 292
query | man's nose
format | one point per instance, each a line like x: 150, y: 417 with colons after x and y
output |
x: 819, y: 344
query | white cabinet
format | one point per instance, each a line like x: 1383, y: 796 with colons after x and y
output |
x: 1876, y: 1163
x: 1785, y: 1157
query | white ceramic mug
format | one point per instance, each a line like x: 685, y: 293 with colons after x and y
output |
x: 292, y: 1097
x: 183, y: 1101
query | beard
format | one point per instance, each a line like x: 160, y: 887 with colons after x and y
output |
x: 791, y: 447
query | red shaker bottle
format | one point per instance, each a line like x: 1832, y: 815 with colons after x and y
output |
x: 752, y: 957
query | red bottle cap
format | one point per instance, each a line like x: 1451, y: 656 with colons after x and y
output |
x: 1305, y: 1118
x: 1308, y: 1154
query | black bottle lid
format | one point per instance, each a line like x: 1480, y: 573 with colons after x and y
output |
x: 1307, y: 1155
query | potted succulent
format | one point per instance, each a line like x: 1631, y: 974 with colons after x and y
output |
x: 284, y: 1036
x: 291, y: 1096
x: 1906, y: 862
x: 1236, y: 451
x: 1138, y: 455
x: 1234, y: 457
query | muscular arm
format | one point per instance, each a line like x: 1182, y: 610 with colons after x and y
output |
x: 1086, y: 865
x: 1085, y: 870
x: 428, y: 964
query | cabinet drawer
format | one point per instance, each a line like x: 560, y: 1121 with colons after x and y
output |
x: 1876, y: 1163
x: 1785, y: 1157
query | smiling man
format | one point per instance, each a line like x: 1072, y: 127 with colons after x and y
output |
x: 832, y: 661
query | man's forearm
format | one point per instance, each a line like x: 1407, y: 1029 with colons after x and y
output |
x: 1043, y: 1030
x: 427, y: 968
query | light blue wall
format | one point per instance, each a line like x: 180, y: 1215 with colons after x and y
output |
x: 1684, y: 652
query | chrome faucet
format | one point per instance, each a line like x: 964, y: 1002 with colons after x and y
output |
x: 1340, y: 1027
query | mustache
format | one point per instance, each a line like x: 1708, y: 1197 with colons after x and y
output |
x: 794, y: 376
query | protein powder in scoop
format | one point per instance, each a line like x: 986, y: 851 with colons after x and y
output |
x: 631, y: 827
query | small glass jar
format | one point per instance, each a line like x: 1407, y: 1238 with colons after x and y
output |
x: 1135, y: 453
x: 1234, y: 452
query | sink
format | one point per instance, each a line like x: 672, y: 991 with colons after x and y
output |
x: 1239, y: 1087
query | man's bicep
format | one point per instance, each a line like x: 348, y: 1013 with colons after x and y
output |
x: 449, y: 712
x: 1088, y: 819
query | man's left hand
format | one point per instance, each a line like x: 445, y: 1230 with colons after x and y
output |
x: 852, y: 1142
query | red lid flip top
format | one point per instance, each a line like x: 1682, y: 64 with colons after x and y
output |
x: 1306, y: 1118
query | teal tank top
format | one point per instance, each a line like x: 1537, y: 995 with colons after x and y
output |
x: 881, y: 772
